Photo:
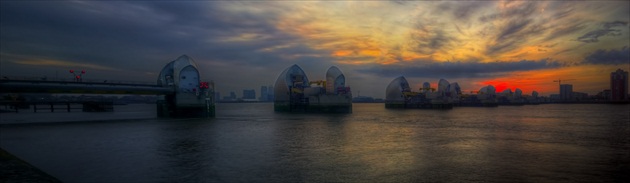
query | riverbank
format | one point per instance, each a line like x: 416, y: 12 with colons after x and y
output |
x: 16, y: 170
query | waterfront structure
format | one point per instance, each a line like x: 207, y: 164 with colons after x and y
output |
x: 179, y: 89
x: 398, y: 94
x: 533, y: 99
x: 249, y: 94
x: 604, y: 95
x: 504, y: 96
x: 507, y: 97
x: 488, y: 95
x: 232, y: 96
x: 517, y: 98
x: 579, y: 96
x: 485, y: 97
x: 263, y: 94
x: 454, y: 93
x: 270, y: 93
x: 294, y: 92
x: 395, y: 93
x: 266, y: 93
x: 619, y: 85
x: 566, y: 92
x: 191, y: 96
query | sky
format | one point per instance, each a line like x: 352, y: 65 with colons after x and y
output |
x: 246, y: 44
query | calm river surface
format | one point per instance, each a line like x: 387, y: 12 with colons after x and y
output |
x: 252, y: 143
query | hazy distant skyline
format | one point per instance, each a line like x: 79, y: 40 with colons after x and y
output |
x: 246, y: 44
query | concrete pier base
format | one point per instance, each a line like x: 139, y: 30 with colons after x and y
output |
x: 166, y: 110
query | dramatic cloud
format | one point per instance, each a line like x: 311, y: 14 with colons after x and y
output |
x: 369, y: 40
x: 607, y: 29
x: 460, y: 69
x: 613, y: 56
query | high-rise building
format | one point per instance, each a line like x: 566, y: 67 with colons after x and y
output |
x: 270, y: 92
x: 232, y: 95
x: 263, y: 93
x: 566, y: 92
x: 619, y: 85
x: 249, y: 94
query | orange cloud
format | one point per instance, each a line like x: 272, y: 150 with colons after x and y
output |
x: 342, y: 53
x: 372, y: 52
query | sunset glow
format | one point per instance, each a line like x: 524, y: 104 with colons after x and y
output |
x: 508, y: 44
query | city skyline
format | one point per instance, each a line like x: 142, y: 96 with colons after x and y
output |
x: 241, y: 45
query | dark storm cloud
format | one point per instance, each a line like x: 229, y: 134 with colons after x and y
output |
x: 465, y: 10
x: 428, y: 40
x: 606, y: 57
x: 136, y: 34
x: 511, y: 28
x: 522, y: 11
x: 78, y: 32
x: 607, y: 29
x: 563, y: 13
x: 460, y: 69
x: 513, y: 34
x: 564, y: 30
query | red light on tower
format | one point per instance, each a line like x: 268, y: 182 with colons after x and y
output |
x: 83, y: 72
x: 203, y: 85
x: 71, y: 71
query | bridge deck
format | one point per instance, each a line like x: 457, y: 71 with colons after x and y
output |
x: 39, y: 86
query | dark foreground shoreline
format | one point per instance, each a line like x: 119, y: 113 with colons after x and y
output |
x: 13, y: 169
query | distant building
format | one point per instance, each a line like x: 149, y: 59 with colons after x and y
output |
x: 264, y: 94
x: 604, y: 95
x: 217, y: 96
x: 270, y: 90
x: 554, y: 97
x: 619, y: 85
x: 566, y: 92
x: 249, y: 94
x: 579, y: 96
x: 232, y: 96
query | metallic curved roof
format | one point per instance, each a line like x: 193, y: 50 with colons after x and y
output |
x: 443, y: 85
x: 518, y: 92
x: 454, y: 88
x: 285, y: 80
x: 334, y: 79
x: 174, y: 67
x: 395, y: 88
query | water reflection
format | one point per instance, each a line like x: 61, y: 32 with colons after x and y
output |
x: 183, y: 151
x: 251, y: 143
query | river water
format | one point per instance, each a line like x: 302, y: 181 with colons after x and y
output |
x: 252, y: 143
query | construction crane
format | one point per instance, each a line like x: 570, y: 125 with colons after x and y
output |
x: 560, y: 81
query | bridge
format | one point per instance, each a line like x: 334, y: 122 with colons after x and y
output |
x: 39, y: 86
x: 182, y: 93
